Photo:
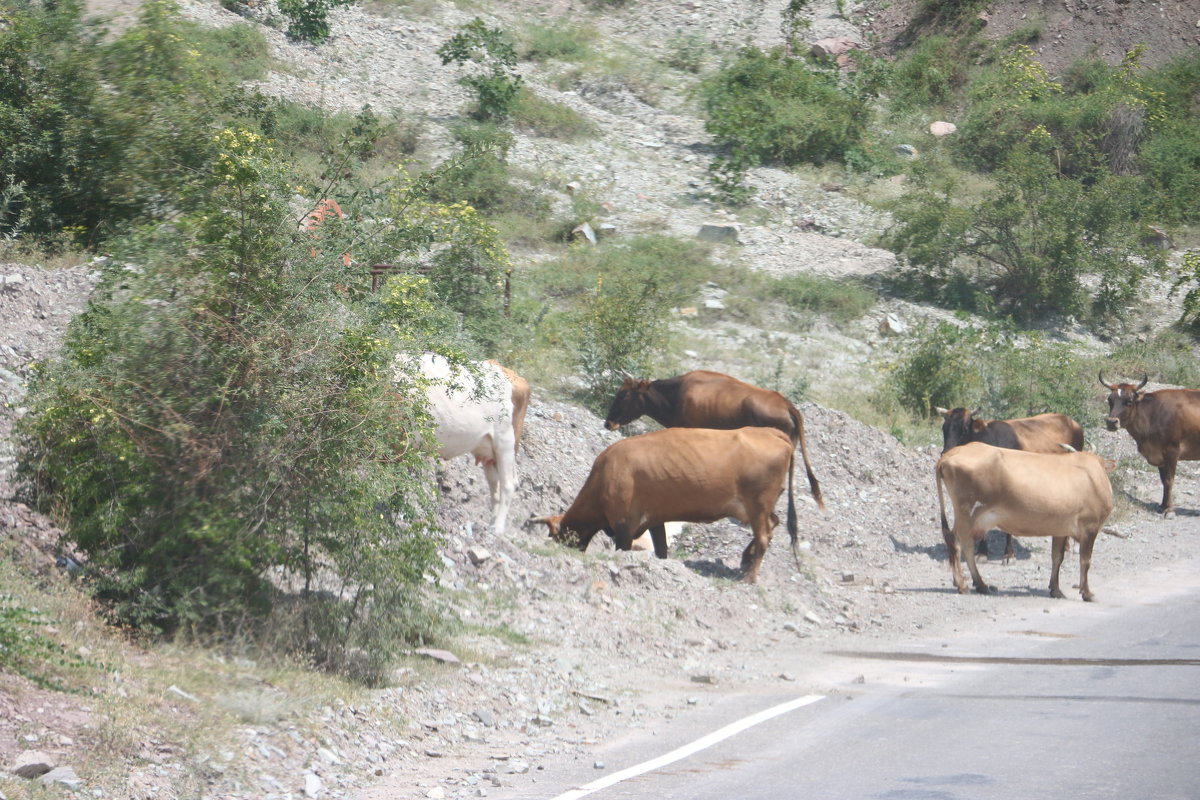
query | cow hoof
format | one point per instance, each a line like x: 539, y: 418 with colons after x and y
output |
x: 1057, y: 594
x: 1088, y: 597
x: 983, y: 588
x: 1169, y: 514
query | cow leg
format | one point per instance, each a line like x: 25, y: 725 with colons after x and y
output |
x: 658, y: 535
x: 952, y: 549
x: 976, y: 578
x: 1057, y: 550
x: 1085, y: 563
x: 753, y: 555
x: 981, y: 549
x: 1167, y: 473
x: 1009, y: 553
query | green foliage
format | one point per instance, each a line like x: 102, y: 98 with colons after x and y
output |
x: 1170, y: 161
x: 557, y: 41
x: 481, y: 177
x: 101, y: 135
x: 687, y: 51
x: 1092, y: 124
x: 1003, y: 372
x: 1189, y: 276
x: 777, y: 108
x: 619, y: 299
x: 222, y: 436
x: 308, y: 20
x: 550, y: 119
x: 27, y: 650
x: 1024, y: 248
x: 495, y: 80
x: 930, y: 73
x: 840, y: 300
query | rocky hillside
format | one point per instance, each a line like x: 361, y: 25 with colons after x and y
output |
x: 561, y: 650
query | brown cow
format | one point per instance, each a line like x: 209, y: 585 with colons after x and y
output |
x: 1066, y: 496
x: 704, y: 399
x: 1165, y: 424
x: 689, y: 475
x: 1044, y: 433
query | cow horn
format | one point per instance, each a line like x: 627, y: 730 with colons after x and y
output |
x: 1103, y: 382
x: 942, y: 411
x: 1145, y: 378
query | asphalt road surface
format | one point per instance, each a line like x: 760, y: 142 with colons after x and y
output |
x: 1101, y: 701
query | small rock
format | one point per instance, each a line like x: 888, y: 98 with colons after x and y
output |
x: 704, y: 678
x: 436, y: 793
x: 478, y: 555
x: 906, y: 150
x: 598, y: 765
x: 583, y: 231
x: 444, y: 656
x: 64, y: 775
x: 811, y: 617
x: 32, y: 763
x: 312, y: 785
x: 719, y: 232
x: 942, y: 128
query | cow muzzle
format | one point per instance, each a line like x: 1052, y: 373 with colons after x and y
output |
x: 1112, y: 423
x: 612, y: 426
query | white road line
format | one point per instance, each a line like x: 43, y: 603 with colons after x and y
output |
x: 731, y: 729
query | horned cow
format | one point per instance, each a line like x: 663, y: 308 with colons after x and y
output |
x: 1165, y: 424
x: 1066, y: 496
x: 688, y: 475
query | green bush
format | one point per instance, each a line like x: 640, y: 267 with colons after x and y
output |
x: 494, y: 78
x: 779, y: 109
x: 931, y: 73
x: 308, y: 20
x: 27, y: 649
x: 557, y: 41
x: 550, y: 119
x: 222, y: 437
x: 1024, y: 248
x: 481, y: 177
x: 1003, y: 372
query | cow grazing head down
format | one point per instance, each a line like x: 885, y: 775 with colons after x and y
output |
x: 958, y: 426
x: 1121, y: 400
x: 628, y: 404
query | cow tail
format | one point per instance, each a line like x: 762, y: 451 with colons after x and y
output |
x: 942, y: 504
x: 792, y: 527
x: 813, y: 483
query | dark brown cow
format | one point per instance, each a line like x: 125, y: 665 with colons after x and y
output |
x: 1065, y: 496
x: 686, y: 475
x: 704, y: 399
x: 1044, y: 433
x: 1165, y: 424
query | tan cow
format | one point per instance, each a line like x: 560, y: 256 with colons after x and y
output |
x: 689, y: 475
x: 1165, y: 424
x: 704, y: 399
x: 1065, y: 496
x: 1044, y: 433
x: 520, y: 400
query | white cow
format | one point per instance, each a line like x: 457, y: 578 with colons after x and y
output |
x: 474, y: 414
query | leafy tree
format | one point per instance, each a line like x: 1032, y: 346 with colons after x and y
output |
x: 1025, y: 247
x: 494, y: 80
x: 222, y: 436
x: 309, y: 19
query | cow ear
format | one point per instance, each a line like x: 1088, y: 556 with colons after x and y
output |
x: 643, y: 384
x: 977, y: 424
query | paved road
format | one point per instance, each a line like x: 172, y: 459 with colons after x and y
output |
x: 1098, y: 702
